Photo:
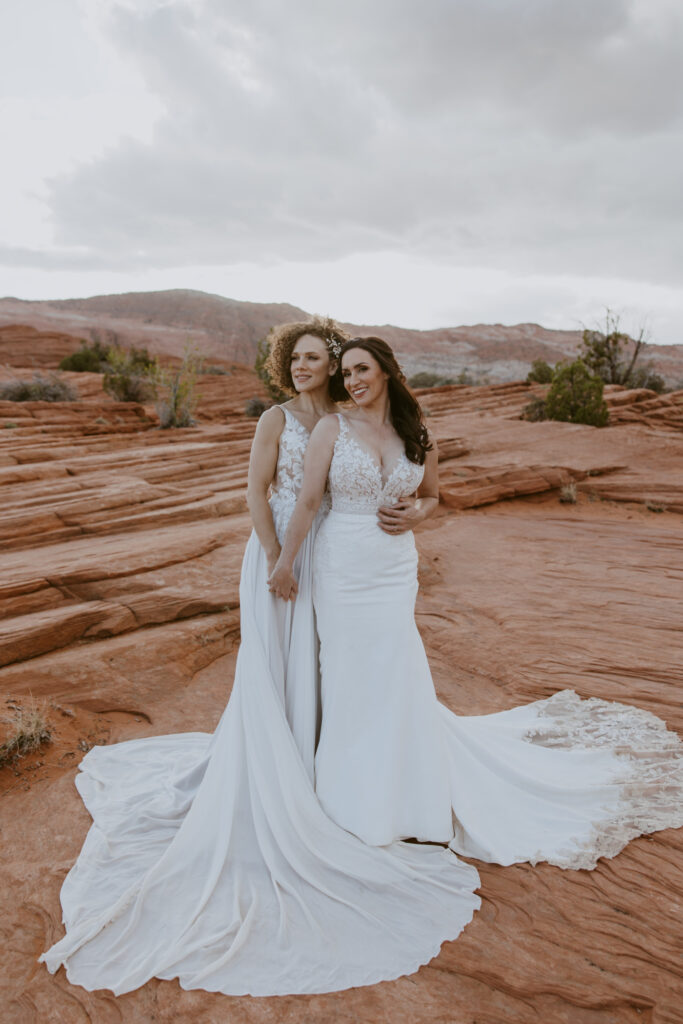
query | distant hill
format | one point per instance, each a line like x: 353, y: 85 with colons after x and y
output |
x: 229, y: 329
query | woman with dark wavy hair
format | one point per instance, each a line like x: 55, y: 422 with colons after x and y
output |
x: 563, y: 779
x: 384, y: 783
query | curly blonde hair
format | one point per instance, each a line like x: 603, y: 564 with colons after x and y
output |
x: 281, y: 341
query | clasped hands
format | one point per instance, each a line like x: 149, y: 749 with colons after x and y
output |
x: 394, y: 519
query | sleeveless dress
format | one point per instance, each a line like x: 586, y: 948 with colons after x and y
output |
x: 563, y: 780
x: 210, y: 858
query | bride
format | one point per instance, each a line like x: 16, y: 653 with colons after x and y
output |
x: 563, y: 780
x: 210, y: 858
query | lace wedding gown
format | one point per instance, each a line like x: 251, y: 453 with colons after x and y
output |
x: 210, y: 858
x: 562, y: 780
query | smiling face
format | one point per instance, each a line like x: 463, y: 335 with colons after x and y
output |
x: 310, y: 364
x: 363, y: 377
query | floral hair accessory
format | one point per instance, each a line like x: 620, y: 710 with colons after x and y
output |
x: 334, y: 345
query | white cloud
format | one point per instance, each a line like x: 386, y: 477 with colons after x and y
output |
x: 538, y: 142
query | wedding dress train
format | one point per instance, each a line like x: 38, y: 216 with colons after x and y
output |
x: 562, y: 780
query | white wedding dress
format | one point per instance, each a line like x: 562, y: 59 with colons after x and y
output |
x: 562, y: 780
x: 210, y: 859
x: 251, y: 862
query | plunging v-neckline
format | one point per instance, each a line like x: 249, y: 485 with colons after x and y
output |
x: 372, y: 460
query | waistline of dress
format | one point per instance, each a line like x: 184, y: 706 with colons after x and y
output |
x: 363, y: 513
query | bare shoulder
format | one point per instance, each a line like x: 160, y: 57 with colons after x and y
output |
x: 271, y: 424
x: 326, y: 429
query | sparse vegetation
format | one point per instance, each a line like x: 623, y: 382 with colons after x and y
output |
x: 130, y: 376
x: 256, y: 406
x: 216, y: 371
x: 568, y: 494
x: 613, y: 355
x: 654, y: 506
x: 28, y: 730
x: 89, y: 358
x: 540, y: 372
x: 428, y: 379
x: 41, y: 388
x: 534, y: 411
x: 575, y: 396
x: 177, y: 396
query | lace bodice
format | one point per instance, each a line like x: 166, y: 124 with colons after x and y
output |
x: 289, y: 473
x: 355, y: 479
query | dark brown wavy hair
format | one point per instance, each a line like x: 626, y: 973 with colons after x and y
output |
x: 406, y: 413
x: 281, y: 341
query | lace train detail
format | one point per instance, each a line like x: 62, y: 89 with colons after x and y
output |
x: 649, y: 777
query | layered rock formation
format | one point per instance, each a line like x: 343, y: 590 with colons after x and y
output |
x: 120, y: 551
x: 226, y: 328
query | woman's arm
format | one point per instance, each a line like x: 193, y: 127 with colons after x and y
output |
x: 316, y: 467
x: 409, y: 511
x: 262, y: 466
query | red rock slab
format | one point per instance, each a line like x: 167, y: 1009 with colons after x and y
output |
x: 470, y: 487
x: 25, y: 346
x: 89, y: 560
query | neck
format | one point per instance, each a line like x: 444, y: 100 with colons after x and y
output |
x: 378, y: 412
x: 317, y: 402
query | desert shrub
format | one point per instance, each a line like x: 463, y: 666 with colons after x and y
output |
x: 568, y: 494
x: 616, y: 357
x: 40, y: 388
x: 29, y: 728
x: 540, y: 372
x: 534, y: 411
x: 646, y: 377
x: 575, y: 396
x: 216, y: 371
x: 428, y: 379
x: 256, y: 406
x: 88, y: 359
x: 177, y: 396
x: 129, y: 376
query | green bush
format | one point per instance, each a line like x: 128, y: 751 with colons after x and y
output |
x: 428, y: 379
x: 40, y: 389
x: 84, y: 361
x: 256, y: 406
x: 535, y: 410
x: 575, y: 396
x: 646, y: 377
x: 540, y: 372
x: 130, y: 376
x: 616, y: 357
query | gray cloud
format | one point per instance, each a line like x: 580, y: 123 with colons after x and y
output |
x: 538, y: 135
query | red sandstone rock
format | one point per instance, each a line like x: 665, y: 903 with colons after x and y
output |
x: 120, y: 554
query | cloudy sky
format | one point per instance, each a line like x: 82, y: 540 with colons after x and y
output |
x: 420, y: 162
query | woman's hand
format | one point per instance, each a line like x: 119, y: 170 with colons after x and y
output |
x: 271, y: 558
x: 401, y: 517
x: 282, y: 582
